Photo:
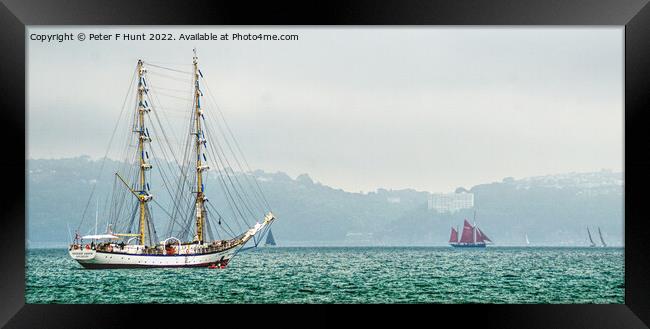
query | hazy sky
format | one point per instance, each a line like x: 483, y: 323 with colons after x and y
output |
x: 430, y: 108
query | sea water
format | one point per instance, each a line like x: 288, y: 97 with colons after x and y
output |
x: 345, y: 275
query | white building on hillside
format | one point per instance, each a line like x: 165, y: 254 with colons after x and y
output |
x: 451, y: 202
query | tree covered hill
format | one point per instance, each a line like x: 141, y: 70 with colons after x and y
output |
x: 552, y: 210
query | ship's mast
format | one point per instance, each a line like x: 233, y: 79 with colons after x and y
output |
x: 200, y: 141
x: 474, y: 228
x: 143, y: 137
x: 96, y: 216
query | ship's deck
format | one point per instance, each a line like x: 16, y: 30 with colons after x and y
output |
x: 160, y: 250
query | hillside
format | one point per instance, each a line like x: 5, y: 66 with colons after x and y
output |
x: 552, y: 210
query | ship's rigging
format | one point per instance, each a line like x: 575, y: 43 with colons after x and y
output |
x: 176, y: 145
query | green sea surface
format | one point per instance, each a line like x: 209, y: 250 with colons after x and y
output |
x: 345, y: 275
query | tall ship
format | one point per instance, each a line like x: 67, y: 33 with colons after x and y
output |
x: 471, y: 237
x: 199, y: 233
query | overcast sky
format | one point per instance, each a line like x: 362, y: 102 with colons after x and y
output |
x: 430, y: 108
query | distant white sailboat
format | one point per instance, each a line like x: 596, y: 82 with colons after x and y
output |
x: 527, y: 241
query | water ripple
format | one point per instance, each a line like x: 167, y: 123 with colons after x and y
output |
x: 345, y: 275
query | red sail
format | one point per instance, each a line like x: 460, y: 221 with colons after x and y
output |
x: 454, y: 235
x: 481, y: 237
x: 468, y: 233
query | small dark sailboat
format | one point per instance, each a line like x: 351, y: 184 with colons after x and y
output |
x: 270, y: 241
x: 471, y: 237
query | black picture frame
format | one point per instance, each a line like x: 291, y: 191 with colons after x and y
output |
x: 15, y: 15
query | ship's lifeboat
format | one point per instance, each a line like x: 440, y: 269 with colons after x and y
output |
x: 170, y: 250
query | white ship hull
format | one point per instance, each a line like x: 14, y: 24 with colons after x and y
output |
x: 93, y: 259
x: 113, y: 255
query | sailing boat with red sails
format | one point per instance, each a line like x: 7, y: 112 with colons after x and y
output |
x: 471, y: 237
